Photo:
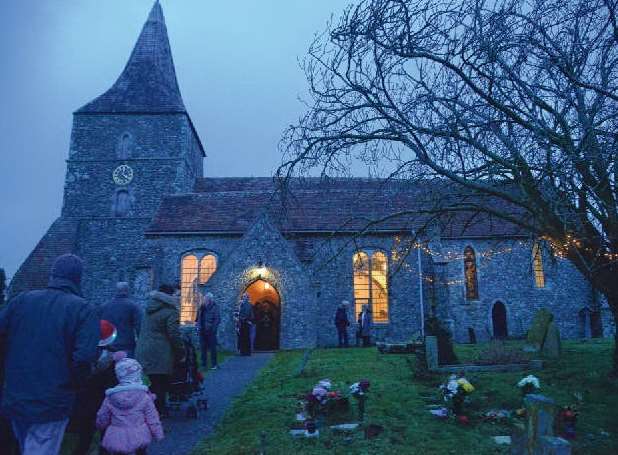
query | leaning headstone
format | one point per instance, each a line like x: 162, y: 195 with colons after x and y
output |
x: 538, y: 329
x: 431, y: 352
x: 537, y: 436
x: 551, y: 346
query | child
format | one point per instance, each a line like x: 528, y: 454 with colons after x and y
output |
x: 128, y: 415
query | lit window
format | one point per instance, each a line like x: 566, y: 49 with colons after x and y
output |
x: 370, y: 283
x: 472, y: 287
x: 193, y: 270
x: 537, y: 266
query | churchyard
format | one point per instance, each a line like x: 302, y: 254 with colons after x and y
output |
x: 399, y: 404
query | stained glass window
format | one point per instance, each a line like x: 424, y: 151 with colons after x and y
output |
x: 472, y: 287
x: 194, y: 269
x: 537, y: 266
x: 370, y: 283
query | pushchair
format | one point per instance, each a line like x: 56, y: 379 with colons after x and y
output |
x: 186, y: 393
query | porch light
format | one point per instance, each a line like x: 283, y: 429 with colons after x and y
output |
x: 260, y: 270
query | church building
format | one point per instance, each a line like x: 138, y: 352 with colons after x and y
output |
x: 138, y: 208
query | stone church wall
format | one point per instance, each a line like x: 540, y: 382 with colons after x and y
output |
x: 505, y: 275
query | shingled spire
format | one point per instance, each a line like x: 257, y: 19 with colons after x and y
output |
x: 148, y: 83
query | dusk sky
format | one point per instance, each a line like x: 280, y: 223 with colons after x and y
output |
x: 237, y: 65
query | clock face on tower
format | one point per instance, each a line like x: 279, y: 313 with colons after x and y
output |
x: 123, y: 174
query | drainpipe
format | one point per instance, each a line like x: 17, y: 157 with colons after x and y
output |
x: 420, y: 287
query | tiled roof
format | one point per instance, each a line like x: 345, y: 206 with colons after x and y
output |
x: 230, y: 205
x: 61, y: 238
x: 148, y: 83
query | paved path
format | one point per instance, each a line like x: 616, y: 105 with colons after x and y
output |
x: 222, y: 386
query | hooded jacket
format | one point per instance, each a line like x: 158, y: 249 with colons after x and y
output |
x: 52, y: 337
x: 129, y: 418
x: 160, y: 345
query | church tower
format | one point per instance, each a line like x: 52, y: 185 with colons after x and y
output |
x: 135, y: 142
x: 129, y: 147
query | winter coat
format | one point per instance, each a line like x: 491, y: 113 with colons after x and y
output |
x: 91, y: 395
x: 208, y: 317
x: 366, y: 321
x: 245, y: 312
x: 52, y: 338
x: 160, y: 345
x: 341, y: 318
x: 126, y: 316
x: 129, y: 418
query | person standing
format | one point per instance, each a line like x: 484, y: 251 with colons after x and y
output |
x: 366, y: 322
x: 208, y: 319
x: 126, y: 316
x: 342, y: 323
x: 245, y: 319
x: 160, y: 346
x: 52, y: 338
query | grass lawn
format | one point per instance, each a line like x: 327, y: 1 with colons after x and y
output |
x: 398, y: 402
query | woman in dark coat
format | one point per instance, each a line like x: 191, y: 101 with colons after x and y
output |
x: 342, y: 323
x: 160, y: 345
x: 245, y: 320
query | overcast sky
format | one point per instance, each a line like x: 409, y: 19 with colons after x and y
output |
x: 237, y: 66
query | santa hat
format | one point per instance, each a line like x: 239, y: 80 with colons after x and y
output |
x: 108, y: 333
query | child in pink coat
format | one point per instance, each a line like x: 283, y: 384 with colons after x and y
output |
x: 128, y: 415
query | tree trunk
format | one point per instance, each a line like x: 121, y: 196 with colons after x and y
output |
x: 614, y: 306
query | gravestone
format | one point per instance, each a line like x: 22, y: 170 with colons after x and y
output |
x: 551, y: 346
x: 431, y: 352
x: 446, y: 353
x: 472, y: 335
x: 538, y: 329
x: 536, y: 437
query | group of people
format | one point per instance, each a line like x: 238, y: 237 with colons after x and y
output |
x: 67, y: 365
x: 364, y: 323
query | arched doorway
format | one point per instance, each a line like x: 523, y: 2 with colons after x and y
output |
x: 267, y: 315
x: 498, y: 319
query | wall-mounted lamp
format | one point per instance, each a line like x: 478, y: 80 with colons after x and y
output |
x: 261, y: 270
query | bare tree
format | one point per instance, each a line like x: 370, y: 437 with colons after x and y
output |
x: 512, y: 99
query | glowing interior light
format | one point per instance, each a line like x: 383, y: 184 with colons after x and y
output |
x: 266, y: 286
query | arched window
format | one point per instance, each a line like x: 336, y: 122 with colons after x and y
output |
x: 371, y: 283
x: 472, y: 286
x: 537, y: 266
x: 124, y: 146
x: 122, y: 203
x: 195, y: 268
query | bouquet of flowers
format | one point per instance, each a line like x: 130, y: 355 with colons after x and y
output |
x: 321, y: 399
x: 455, y: 391
x: 359, y: 391
x: 529, y: 384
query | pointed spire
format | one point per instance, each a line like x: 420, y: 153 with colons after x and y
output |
x: 148, y: 83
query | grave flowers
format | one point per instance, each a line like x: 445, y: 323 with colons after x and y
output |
x: 322, y: 400
x: 359, y: 391
x: 455, y: 392
x: 568, y: 417
x: 529, y: 384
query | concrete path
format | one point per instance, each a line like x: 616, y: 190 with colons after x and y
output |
x: 182, y: 434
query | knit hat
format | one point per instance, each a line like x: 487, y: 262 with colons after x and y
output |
x: 128, y: 371
x: 108, y: 333
x: 68, y: 266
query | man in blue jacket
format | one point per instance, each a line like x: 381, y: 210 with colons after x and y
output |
x: 51, y: 341
x: 126, y: 316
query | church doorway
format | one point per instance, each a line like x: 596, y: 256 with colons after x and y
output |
x: 266, y: 314
x: 498, y: 319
